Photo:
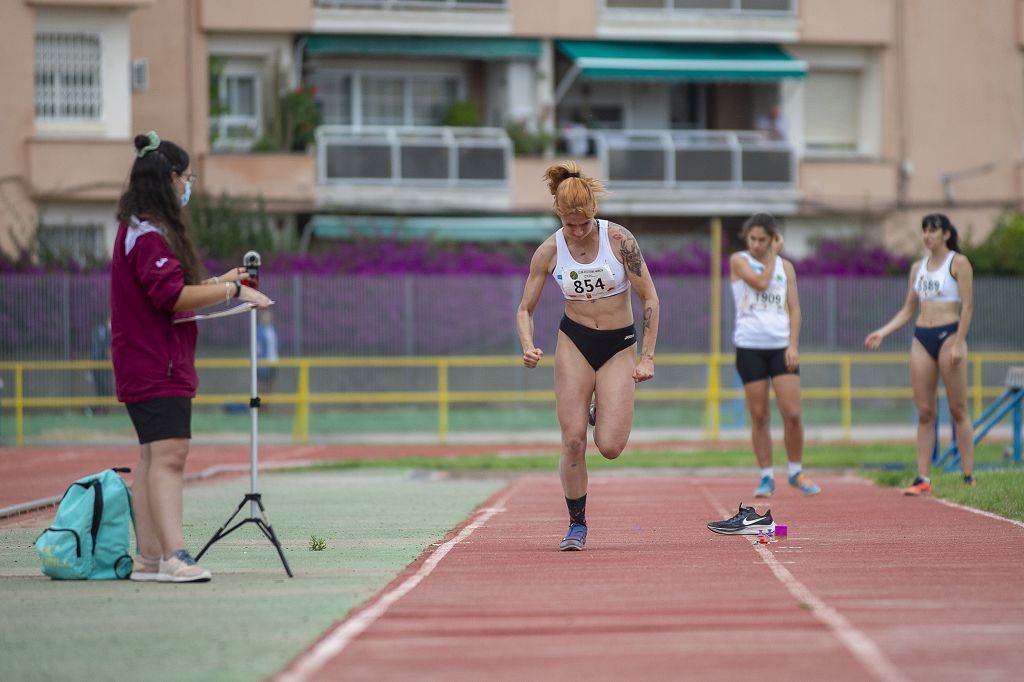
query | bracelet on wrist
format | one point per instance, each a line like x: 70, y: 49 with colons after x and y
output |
x: 238, y: 288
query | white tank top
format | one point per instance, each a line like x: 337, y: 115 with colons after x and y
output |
x: 939, y: 285
x: 762, y: 318
x: 603, y: 277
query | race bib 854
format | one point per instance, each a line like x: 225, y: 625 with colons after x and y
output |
x: 584, y: 283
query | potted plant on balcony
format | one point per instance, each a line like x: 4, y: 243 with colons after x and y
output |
x: 527, y: 141
x: 300, y: 118
x: 461, y: 114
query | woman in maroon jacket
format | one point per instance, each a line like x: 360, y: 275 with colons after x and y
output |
x: 156, y: 278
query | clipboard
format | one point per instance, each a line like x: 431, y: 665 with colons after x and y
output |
x: 227, y: 312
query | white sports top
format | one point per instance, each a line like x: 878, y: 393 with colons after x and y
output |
x: 939, y: 285
x: 762, y: 318
x: 603, y: 277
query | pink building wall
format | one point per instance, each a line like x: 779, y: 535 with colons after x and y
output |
x: 950, y: 79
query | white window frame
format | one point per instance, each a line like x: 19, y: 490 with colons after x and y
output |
x: 602, y: 94
x: 840, y: 82
x: 63, y: 62
x: 112, y: 29
x: 94, y: 232
x: 865, y: 64
x: 85, y: 216
x: 439, y: 5
x: 239, y: 69
x: 408, y: 76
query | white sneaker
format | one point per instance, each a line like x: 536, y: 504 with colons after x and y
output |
x: 144, y: 569
x: 182, y: 568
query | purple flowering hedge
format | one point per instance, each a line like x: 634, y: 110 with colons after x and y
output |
x: 392, y: 257
x: 422, y: 298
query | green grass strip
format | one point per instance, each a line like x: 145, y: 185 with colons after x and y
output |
x: 251, y: 619
x: 1000, y: 487
x: 1000, y: 491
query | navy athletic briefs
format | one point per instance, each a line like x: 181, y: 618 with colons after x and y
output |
x: 932, y: 338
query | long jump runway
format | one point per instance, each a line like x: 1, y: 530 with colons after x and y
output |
x: 869, y: 585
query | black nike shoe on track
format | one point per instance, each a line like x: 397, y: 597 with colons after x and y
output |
x: 746, y: 522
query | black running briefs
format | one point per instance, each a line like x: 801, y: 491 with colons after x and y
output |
x: 598, y: 345
x: 755, y: 364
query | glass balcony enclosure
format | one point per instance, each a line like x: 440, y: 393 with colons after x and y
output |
x: 770, y: 7
x: 414, y: 155
x: 714, y: 159
x: 414, y: 4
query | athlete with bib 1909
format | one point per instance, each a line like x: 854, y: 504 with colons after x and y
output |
x: 943, y: 283
x: 594, y: 263
x: 767, y: 338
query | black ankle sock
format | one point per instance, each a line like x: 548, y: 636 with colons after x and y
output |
x: 577, y: 510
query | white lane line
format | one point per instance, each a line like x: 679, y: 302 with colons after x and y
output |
x: 990, y: 515
x: 335, y: 641
x: 856, y: 642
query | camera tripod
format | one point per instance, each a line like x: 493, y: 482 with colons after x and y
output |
x: 257, y: 512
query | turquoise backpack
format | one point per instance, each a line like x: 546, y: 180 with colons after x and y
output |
x: 91, y: 535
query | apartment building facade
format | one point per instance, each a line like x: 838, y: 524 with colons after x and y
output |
x: 846, y: 119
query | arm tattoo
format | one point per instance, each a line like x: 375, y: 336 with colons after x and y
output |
x: 647, y: 318
x: 631, y: 257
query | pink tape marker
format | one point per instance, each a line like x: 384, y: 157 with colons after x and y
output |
x: 781, y: 531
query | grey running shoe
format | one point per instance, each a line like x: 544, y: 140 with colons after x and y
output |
x: 574, y: 539
x: 746, y: 522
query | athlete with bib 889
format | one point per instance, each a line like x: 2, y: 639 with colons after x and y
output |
x: 943, y: 283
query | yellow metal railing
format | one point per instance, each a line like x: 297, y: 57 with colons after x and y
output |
x: 711, y: 393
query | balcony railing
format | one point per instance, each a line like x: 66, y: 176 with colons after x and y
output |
x: 234, y: 133
x: 428, y: 156
x: 415, y: 4
x: 695, y: 158
x: 771, y: 7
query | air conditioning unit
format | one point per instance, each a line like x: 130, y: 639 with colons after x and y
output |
x: 140, y: 75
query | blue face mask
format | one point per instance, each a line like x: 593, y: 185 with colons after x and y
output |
x: 187, y: 193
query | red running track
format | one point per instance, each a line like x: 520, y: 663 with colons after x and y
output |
x: 869, y: 585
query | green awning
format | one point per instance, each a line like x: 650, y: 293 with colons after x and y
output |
x: 534, y: 228
x: 681, y: 61
x: 424, y: 46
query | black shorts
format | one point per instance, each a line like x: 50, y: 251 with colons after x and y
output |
x: 161, y: 419
x: 598, y: 345
x: 754, y: 364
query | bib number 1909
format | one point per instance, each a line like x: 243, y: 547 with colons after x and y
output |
x: 769, y: 298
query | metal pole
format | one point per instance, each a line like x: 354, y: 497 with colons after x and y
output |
x: 409, y: 318
x: 1017, y: 427
x: 716, y: 285
x: 254, y: 414
x: 715, y: 346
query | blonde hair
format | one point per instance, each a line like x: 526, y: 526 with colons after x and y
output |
x: 573, y: 191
